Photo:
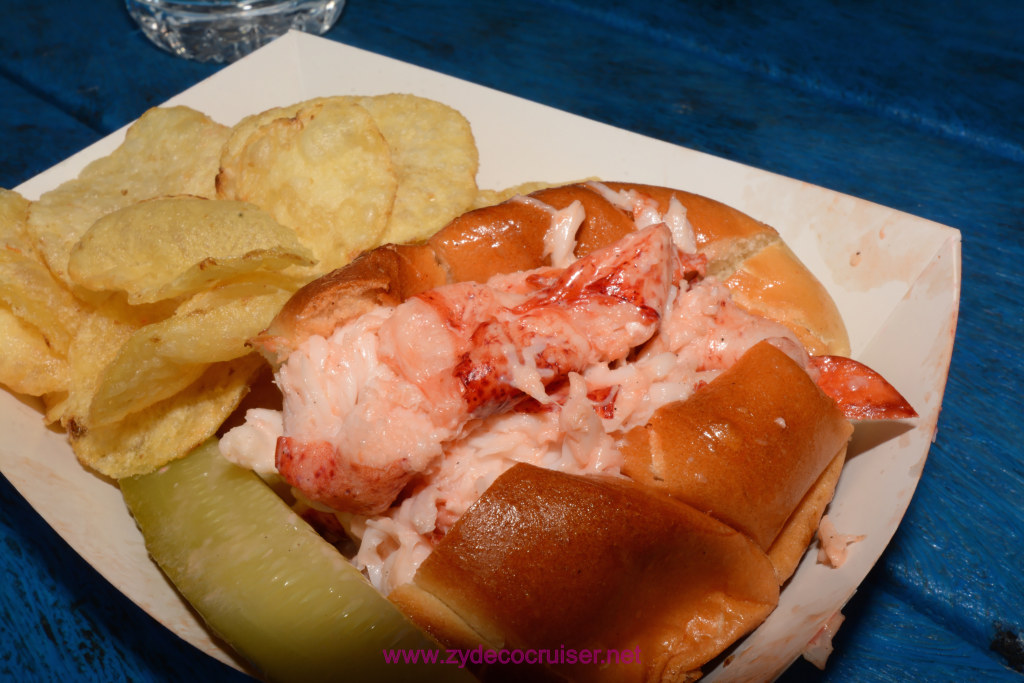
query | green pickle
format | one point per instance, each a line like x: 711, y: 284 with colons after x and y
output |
x: 266, y: 582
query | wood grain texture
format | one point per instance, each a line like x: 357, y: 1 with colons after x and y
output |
x: 915, y: 106
x: 62, y: 621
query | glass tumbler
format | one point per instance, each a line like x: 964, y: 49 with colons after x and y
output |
x: 225, y: 30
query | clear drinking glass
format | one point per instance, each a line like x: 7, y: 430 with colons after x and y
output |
x: 225, y: 30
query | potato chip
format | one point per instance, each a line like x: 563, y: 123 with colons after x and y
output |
x: 53, y: 406
x: 32, y: 293
x: 14, y: 221
x: 97, y: 342
x: 174, y: 246
x: 435, y: 158
x: 168, y: 151
x: 169, y: 429
x: 321, y: 168
x: 27, y: 287
x: 163, y: 358
x: 136, y: 380
x: 27, y: 363
x: 216, y: 325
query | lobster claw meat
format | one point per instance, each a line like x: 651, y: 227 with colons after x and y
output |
x: 860, y: 392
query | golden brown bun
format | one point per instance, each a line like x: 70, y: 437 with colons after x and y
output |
x: 509, y: 237
x: 746, y: 448
x: 725, y: 234
x: 604, y: 224
x: 765, y: 276
x: 546, y: 560
x: 767, y: 283
x: 385, y: 276
x: 789, y: 546
x: 505, y: 238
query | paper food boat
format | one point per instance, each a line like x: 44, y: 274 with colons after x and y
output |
x: 895, y: 277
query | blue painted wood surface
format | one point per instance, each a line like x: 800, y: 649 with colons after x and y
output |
x: 915, y: 105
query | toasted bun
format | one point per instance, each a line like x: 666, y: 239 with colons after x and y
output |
x: 746, y: 448
x: 790, y: 545
x: 384, y: 276
x: 545, y: 560
x: 764, y: 275
x: 769, y: 284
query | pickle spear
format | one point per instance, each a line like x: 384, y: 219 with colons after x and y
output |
x: 265, y: 581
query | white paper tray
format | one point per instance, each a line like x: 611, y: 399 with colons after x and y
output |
x: 895, y: 277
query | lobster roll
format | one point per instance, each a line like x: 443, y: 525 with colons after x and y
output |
x: 599, y: 423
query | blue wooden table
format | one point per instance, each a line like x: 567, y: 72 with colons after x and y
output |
x: 916, y: 105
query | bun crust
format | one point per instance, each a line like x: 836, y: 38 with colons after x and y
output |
x: 769, y: 284
x: 746, y: 448
x: 384, y: 276
x: 672, y: 581
x: 764, y: 274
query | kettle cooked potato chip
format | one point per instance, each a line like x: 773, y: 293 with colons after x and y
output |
x: 14, y: 221
x: 27, y: 288
x: 435, y: 160
x: 168, y: 151
x: 166, y: 430
x: 163, y: 358
x: 27, y: 364
x: 169, y: 247
x: 321, y: 168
